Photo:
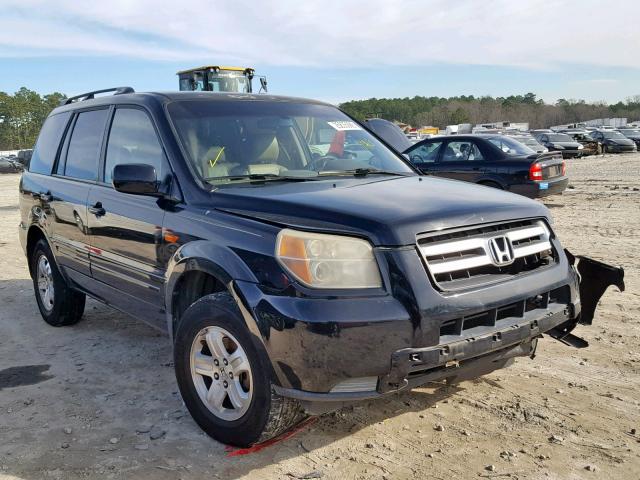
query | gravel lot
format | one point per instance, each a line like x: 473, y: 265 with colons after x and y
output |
x: 100, y: 400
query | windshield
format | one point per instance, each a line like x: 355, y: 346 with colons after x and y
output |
x: 612, y: 135
x: 229, y: 141
x: 559, y: 137
x: 630, y: 131
x: 529, y: 141
x: 228, y: 82
x: 511, y: 146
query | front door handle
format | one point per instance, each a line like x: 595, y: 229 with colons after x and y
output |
x: 97, y: 210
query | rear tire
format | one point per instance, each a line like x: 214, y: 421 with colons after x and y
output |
x: 225, y: 381
x: 59, y: 305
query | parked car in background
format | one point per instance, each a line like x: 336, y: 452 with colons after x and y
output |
x: 493, y: 160
x: 531, y: 142
x: 611, y: 141
x: 539, y: 131
x: 583, y: 137
x: 10, y: 165
x: 560, y: 142
x: 631, y: 134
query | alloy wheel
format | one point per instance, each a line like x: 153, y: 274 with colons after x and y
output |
x: 221, y: 373
x: 45, y: 283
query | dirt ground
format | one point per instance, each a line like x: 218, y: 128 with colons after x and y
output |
x: 100, y: 400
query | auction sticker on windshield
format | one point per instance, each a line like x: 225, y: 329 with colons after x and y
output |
x: 345, y: 125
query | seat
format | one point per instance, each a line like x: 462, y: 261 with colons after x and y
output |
x: 264, y: 154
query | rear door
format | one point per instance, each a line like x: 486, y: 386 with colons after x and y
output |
x: 126, y: 230
x: 461, y: 160
x: 75, y: 174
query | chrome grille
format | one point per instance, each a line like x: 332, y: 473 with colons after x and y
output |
x: 466, y: 258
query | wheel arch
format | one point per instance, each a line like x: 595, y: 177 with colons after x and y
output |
x: 197, y: 270
x: 34, y: 235
x: 490, y: 182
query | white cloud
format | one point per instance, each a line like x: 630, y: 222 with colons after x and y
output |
x: 329, y: 33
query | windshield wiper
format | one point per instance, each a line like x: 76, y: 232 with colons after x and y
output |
x: 262, y: 177
x: 362, y: 172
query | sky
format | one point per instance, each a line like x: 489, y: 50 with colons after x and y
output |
x: 332, y: 50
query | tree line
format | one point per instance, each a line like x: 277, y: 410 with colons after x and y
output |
x: 440, y: 111
x: 22, y: 115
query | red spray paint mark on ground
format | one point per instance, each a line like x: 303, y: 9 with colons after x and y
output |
x: 234, y: 452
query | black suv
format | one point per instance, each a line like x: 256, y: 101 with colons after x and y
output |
x: 295, y: 260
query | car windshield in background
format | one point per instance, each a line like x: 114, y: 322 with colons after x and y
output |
x: 612, y: 135
x: 528, y: 141
x: 560, y: 137
x: 629, y: 131
x: 241, y: 141
x: 511, y: 146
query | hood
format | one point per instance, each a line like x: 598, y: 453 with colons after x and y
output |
x: 389, y: 132
x: 389, y: 211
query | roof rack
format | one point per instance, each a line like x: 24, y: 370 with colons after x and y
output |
x: 91, y: 95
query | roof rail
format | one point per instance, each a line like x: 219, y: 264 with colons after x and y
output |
x: 91, y: 95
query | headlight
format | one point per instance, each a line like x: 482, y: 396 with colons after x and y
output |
x: 580, y: 147
x: 558, y: 147
x: 328, y: 261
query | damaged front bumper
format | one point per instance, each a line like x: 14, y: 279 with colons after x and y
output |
x: 595, y: 277
x: 476, y: 355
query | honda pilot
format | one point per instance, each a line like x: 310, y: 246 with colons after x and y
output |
x: 296, y: 261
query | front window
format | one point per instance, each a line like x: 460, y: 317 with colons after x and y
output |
x: 228, y: 82
x: 229, y: 141
x: 511, y: 146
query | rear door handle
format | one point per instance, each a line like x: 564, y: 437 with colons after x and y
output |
x: 97, y: 210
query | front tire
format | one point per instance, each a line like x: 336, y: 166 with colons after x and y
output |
x: 59, y: 305
x: 224, y: 380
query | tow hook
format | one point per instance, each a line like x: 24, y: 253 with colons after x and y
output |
x: 594, y: 277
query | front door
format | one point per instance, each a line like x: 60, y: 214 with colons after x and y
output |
x: 125, y: 229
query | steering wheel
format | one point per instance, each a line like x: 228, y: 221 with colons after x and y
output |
x: 318, y: 163
x: 375, y: 162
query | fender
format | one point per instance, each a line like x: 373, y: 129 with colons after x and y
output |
x: 205, y: 256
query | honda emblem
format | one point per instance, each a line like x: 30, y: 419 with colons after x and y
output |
x: 501, y: 251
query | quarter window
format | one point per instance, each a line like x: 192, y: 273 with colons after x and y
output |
x: 46, y: 149
x: 83, y: 153
x: 132, y: 140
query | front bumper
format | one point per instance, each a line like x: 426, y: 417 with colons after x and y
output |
x: 621, y: 148
x: 403, y: 340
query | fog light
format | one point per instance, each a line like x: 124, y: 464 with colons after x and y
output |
x: 361, y: 384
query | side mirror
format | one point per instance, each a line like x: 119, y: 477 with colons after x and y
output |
x: 263, y: 84
x: 135, y: 178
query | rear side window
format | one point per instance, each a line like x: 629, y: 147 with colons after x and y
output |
x: 132, y: 140
x: 83, y: 153
x: 44, y: 153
